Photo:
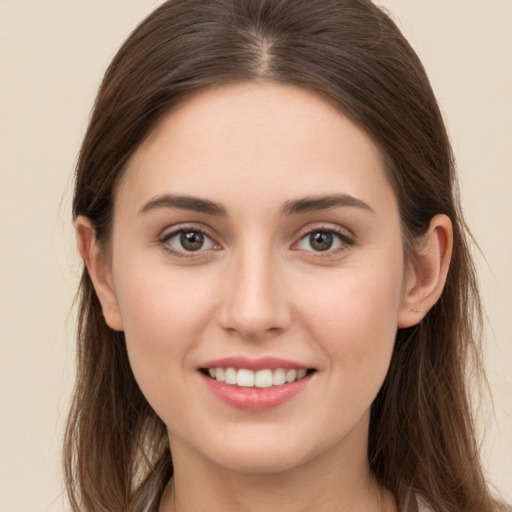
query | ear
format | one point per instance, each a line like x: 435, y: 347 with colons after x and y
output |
x: 426, y: 275
x: 99, y: 271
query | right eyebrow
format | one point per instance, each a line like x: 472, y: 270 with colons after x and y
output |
x: 183, y: 203
x: 315, y: 203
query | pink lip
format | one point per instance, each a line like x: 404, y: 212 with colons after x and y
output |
x: 255, y: 399
x: 260, y: 363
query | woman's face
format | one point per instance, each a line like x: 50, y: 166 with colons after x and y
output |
x: 255, y: 230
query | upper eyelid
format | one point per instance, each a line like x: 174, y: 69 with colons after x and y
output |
x: 346, y: 237
x: 173, y: 230
x: 331, y: 254
x: 342, y: 236
x: 170, y: 232
x: 163, y: 241
x: 299, y: 234
x: 331, y: 228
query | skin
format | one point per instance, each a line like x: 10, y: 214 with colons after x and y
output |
x: 259, y: 288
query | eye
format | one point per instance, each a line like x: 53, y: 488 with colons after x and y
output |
x: 187, y: 241
x: 322, y: 240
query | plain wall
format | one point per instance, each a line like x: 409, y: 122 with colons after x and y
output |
x: 52, y: 56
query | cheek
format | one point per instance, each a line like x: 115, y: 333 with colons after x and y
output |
x: 160, y: 304
x: 356, y: 331
x: 163, y: 313
x: 353, y: 317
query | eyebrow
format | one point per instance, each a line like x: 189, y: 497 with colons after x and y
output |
x: 315, y: 203
x: 184, y: 203
x: 304, y: 205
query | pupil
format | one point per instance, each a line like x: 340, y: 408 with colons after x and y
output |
x: 320, y: 241
x: 192, y: 241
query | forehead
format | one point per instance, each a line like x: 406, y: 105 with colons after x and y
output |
x: 254, y: 141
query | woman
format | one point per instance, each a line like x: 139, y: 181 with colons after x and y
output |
x: 278, y: 302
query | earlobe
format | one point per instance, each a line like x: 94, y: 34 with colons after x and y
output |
x: 99, y: 271
x: 426, y: 275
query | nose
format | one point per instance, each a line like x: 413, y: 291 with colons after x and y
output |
x: 254, y: 299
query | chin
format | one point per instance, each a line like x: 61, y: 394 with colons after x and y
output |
x: 267, y: 449
x: 258, y: 460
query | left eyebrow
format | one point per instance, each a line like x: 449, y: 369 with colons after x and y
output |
x: 315, y: 203
x: 183, y: 203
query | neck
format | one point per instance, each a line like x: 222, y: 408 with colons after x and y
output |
x: 336, y: 480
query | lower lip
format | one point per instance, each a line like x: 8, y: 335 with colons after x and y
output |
x: 255, y: 399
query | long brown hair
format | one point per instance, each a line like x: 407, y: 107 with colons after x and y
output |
x: 422, y: 438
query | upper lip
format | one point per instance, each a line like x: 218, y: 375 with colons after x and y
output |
x: 260, y: 363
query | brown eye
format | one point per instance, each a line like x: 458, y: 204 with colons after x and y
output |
x: 188, y: 240
x: 324, y: 240
x: 192, y: 240
x: 320, y: 240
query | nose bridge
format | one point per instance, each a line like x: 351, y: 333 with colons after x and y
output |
x: 255, y: 302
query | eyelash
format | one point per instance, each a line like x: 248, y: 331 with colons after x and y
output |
x: 165, y: 239
x: 345, y: 242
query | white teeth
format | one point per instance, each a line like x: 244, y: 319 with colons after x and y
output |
x: 279, y: 377
x: 291, y: 375
x: 301, y: 373
x: 245, y: 378
x: 261, y: 379
x: 219, y: 374
x: 230, y: 376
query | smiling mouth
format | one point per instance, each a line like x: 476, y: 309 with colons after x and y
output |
x: 265, y: 378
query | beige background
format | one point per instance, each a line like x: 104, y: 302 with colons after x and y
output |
x: 52, y: 55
